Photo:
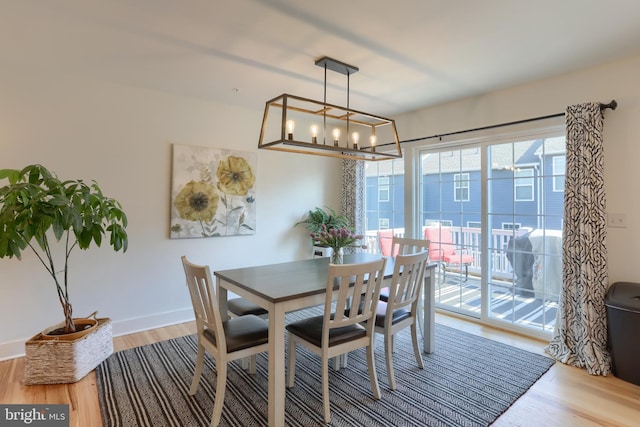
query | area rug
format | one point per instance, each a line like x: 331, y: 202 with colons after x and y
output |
x: 467, y: 381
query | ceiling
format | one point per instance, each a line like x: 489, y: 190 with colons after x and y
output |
x: 410, y: 54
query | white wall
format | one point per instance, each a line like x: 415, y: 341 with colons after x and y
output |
x: 617, y: 81
x: 121, y: 137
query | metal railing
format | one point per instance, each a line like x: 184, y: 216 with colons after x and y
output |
x: 467, y: 240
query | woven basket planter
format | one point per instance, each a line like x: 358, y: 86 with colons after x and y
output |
x: 50, y: 361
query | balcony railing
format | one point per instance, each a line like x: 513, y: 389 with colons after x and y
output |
x: 510, y: 298
x: 467, y: 241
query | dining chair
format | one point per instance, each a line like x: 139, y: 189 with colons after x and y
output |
x: 241, y: 307
x: 353, y: 292
x: 396, y: 245
x: 403, y: 246
x: 233, y: 339
x: 403, y: 306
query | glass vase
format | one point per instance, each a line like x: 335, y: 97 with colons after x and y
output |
x: 337, y: 256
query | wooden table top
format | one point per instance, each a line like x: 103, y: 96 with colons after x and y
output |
x: 290, y: 280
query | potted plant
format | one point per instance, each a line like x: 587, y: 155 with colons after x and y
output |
x: 337, y: 239
x: 318, y: 220
x: 328, y: 217
x: 38, y: 210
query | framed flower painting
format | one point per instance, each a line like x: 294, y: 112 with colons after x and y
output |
x: 212, y: 192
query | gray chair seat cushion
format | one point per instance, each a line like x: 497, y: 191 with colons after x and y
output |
x: 311, y: 330
x: 242, y: 307
x: 242, y: 332
x: 381, y: 314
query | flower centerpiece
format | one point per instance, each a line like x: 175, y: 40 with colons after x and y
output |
x: 337, y: 239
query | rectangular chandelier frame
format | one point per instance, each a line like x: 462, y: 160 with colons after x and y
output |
x: 285, y: 108
x: 302, y: 125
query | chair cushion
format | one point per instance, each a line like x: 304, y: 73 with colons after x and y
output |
x: 381, y: 314
x: 311, y: 330
x: 384, y: 294
x: 242, y: 332
x: 242, y: 306
x: 458, y: 258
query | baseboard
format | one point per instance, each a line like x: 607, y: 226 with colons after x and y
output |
x: 13, y: 349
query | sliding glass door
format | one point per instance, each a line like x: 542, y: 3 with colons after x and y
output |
x: 450, y: 218
x: 525, y: 192
x: 495, y: 212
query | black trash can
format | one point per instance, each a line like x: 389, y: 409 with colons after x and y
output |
x: 623, y: 314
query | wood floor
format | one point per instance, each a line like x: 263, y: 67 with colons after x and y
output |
x: 564, y: 396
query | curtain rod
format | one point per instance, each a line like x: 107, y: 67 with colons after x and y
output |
x: 613, y: 105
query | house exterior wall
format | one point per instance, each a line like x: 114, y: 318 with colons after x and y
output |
x: 545, y: 210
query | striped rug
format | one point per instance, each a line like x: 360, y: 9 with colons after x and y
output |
x: 467, y: 381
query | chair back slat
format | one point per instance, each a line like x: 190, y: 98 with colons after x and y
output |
x: 353, y: 291
x: 204, y: 301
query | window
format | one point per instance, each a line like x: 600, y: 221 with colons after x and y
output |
x: 523, y: 180
x: 384, y: 196
x: 510, y: 226
x: 438, y: 222
x: 461, y: 187
x: 383, y: 189
x: 559, y: 165
x: 474, y: 224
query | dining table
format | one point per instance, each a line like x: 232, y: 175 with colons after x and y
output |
x: 291, y: 286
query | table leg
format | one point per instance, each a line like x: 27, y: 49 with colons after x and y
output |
x: 277, y: 369
x: 222, y: 300
x: 429, y: 307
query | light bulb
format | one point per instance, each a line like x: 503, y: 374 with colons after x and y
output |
x: 336, y: 136
x: 355, y: 137
x: 373, y: 142
x: 314, y: 134
x: 290, y: 126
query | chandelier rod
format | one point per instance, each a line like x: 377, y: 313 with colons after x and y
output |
x: 324, y: 110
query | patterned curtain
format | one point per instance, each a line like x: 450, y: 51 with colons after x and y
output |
x: 580, y: 335
x: 353, y: 188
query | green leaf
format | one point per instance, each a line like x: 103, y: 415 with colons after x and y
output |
x: 11, y: 174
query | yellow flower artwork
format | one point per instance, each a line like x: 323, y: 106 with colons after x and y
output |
x: 212, y: 192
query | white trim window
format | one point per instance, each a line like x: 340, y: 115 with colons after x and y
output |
x: 523, y: 182
x: 559, y: 167
x: 383, y: 189
x: 461, y: 187
x: 511, y: 226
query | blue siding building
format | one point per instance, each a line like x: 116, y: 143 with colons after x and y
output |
x: 525, y: 185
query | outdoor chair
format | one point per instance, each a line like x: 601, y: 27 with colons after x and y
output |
x: 355, y: 291
x: 233, y: 339
x: 443, y: 251
x: 385, y: 242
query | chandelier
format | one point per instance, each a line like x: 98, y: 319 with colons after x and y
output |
x: 301, y: 125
